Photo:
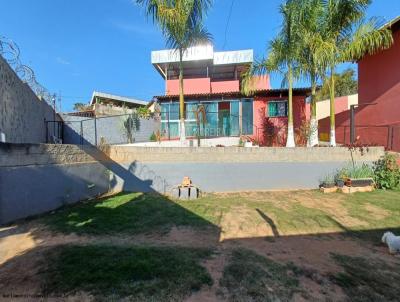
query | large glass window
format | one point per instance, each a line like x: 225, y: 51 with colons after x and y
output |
x: 170, y: 119
x: 234, y: 118
x: 247, y: 117
x: 278, y: 108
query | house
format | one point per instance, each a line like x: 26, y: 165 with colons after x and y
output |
x: 377, y: 117
x: 105, y: 104
x: 214, y: 80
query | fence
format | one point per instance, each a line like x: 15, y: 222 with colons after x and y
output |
x: 117, y: 129
x: 387, y: 135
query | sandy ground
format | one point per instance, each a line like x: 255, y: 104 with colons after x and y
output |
x: 22, y: 247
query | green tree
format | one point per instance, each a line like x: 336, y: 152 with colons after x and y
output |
x: 345, y: 84
x: 312, y: 50
x: 348, y: 37
x: 181, y: 22
x: 282, y: 58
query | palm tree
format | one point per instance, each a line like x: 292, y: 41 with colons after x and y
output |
x: 348, y: 38
x: 181, y: 22
x: 312, y: 48
x: 282, y: 58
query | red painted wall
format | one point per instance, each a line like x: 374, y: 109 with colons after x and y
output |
x: 225, y: 86
x: 280, y: 123
x: 204, y: 85
x: 190, y: 86
x: 379, y: 82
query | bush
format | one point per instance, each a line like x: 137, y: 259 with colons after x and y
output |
x: 153, y: 137
x: 387, y: 172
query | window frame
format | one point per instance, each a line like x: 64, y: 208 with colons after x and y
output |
x: 286, y: 101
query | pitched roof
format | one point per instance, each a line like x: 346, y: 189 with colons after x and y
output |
x: 116, y: 98
x: 306, y: 91
x: 393, y: 24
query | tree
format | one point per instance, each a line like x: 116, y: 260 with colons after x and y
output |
x: 311, y: 49
x: 181, y: 22
x: 346, y: 84
x: 348, y: 37
x: 282, y: 58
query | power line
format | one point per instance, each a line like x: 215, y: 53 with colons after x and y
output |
x: 227, y: 23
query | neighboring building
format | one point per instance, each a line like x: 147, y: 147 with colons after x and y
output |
x: 109, y: 104
x: 342, y: 103
x: 377, y: 118
x: 104, y: 104
x: 213, y: 79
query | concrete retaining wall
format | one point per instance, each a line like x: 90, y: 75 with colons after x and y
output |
x: 35, y: 179
x: 22, y: 114
x: 38, y: 178
x: 229, y: 169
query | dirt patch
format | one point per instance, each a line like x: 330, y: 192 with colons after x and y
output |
x: 243, y: 222
x: 215, y: 267
x: 376, y: 212
x: 311, y: 252
x: 334, y: 207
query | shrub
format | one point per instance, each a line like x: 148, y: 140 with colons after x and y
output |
x: 387, y: 172
x: 153, y: 137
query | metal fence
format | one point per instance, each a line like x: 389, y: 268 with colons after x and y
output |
x: 116, y: 129
x: 387, y: 135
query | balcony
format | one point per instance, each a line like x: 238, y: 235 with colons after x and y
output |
x: 190, y: 86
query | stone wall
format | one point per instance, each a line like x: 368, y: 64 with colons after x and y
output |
x: 22, y: 114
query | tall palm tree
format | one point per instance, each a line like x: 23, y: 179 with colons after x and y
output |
x: 282, y: 58
x: 312, y: 48
x: 181, y: 22
x: 348, y: 38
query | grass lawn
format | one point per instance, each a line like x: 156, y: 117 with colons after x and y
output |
x: 271, y: 246
x: 296, y: 212
x: 142, y: 273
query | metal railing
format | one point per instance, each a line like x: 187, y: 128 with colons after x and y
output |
x: 385, y: 135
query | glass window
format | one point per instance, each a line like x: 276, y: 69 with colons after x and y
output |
x: 278, y: 108
x: 191, y: 108
x: 247, y: 117
x: 164, y: 111
x: 174, y: 111
x: 234, y: 118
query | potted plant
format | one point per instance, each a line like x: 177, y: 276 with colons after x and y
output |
x: 355, y: 176
x: 327, y: 184
x: 361, y: 176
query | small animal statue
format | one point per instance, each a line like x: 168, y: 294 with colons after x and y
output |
x: 392, y: 241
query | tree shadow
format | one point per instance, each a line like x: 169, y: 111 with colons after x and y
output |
x: 270, y: 222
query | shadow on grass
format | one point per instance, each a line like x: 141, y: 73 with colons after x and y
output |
x: 173, y: 273
x: 143, y: 273
x: 126, y: 214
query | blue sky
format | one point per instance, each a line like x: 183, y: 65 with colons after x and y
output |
x: 77, y: 46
